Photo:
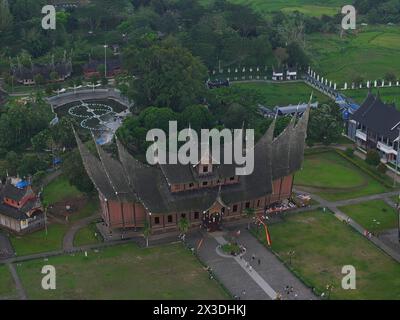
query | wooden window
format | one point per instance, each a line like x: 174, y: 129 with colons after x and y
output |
x: 232, y: 178
x: 157, y: 220
x: 169, y: 219
x: 247, y: 205
x: 205, y: 169
x: 235, y: 208
x: 183, y: 215
x: 205, y: 183
x: 196, y: 215
x: 191, y: 185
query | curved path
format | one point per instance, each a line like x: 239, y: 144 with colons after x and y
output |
x: 68, y: 241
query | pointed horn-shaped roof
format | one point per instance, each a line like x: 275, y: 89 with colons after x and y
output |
x: 95, y: 170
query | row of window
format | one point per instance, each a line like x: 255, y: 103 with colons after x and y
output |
x: 204, y: 184
x: 197, y: 214
x: 170, y: 218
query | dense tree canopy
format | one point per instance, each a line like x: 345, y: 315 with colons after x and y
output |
x: 165, y: 75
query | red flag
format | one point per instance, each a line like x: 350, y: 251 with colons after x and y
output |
x: 267, y: 235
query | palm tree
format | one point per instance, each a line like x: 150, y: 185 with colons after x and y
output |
x: 146, y: 232
x: 183, y: 225
x: 250, y: 213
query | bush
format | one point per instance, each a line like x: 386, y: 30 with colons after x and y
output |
x: 382, y: 168
x: 349, y: 152
x: 373, y: 158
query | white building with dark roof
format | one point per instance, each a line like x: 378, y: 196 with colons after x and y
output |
x: 376, y: 125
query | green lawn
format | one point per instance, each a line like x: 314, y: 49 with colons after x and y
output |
x: 124, y: 272
x: 7, y: 286
x: 58, y: 190
x: 335, y: 178
x: 38, y: 241
x: 274, y: 94
x: 375, y: 216
x: 89, y: 209
x: 308, y: 7
x: 323, y: 245
x: 375, y: 49
x: 87, y: 235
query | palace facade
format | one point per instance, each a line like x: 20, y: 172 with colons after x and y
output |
x: 132, y: 193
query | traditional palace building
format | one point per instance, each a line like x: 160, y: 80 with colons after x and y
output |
x: 131, y: 192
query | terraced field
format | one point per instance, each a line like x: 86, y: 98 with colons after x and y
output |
x: 308, y: 7
x: 370, y: 54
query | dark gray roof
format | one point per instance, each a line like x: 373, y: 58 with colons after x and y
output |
x: 380, y: 118
x: 12, y: 192
x: 130, y: 180
x: 63, y: 69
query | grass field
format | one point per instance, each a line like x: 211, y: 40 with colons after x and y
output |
x: 90, y: 208
x: 59, y: 190
x: 323, y: 245
x: 371, y: 53
x: 7, y: 286
x: 38, y: 241
x: 124, y: 272
x: 308, y: 7
x: 274, y: 94
x: 335, y: 178
x: 87, y: 235
x: 375, y: 216
x: 388, y: 95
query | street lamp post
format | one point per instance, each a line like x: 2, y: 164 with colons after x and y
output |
x: 105, y: 60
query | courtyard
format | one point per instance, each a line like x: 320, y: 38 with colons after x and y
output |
x: 322, y: 245
x: 124, y: 272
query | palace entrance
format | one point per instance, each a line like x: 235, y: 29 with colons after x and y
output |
x: 212, y: 221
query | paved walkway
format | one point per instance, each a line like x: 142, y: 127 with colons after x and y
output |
x: 6, y: 249
x: 18, y: 284
x: 391, y: 250
x: 68, y: 241
x: 262, y: 282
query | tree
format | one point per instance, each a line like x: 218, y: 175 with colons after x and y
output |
x: 325, y: 125
x: 390, y: 77
x: 373, y: 158
x: 198, y: 116
x: 73, y: 169
x: 297, y: 56
x: 167, y: 76
x: 41, y: 140
x: 235, y: 116
x: 39, y: 79
x: 250, y: 213
x: 13, y: 161
x: 183, y: 225
x: 30, y: 164
x: 62, y: 133
x: 6, y: 18
x: 146, y: 232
